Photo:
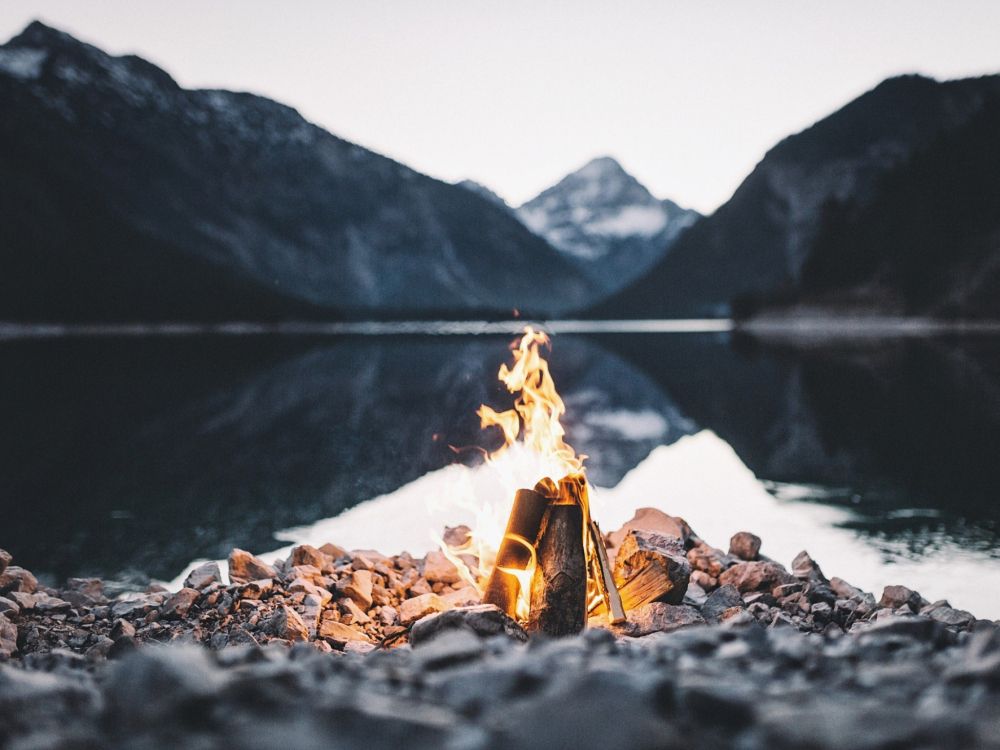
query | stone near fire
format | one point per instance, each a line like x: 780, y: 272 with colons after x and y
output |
x: 15, y: 578
x: 411, y: 610
x: 437, y: 567
x: 358, y: 587
x: 651, y: 519
x: 203, y: 576
x: 755, y: 576
x: 482, y: 619
x: 464, y: 597
x: 894, y: 597
x: 651, y: 567
x: 744, y: 545
x: 337, y: 553
x: 340, y: 633
x: 720, y: 600
x: 244, y: 567
x: 457, y: 536
x: 5, y: 559
x: 657, y: 617
x: 178, y: 605
x: 286, y: 623
x: 8, y: 638
x: 306, y: 554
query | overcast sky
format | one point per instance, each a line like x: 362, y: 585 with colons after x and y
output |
x: 516, y: 94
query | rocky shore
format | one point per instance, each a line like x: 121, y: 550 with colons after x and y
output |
x: 331, y: 647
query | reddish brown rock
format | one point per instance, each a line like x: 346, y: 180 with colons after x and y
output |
x: 245, y: 567
x: 650, y: 519
x: 413, y: 609
x: 203, y: 576
x: 340, y: 633
x: 744, y: 545
x: 358, y: 587
x: 5, y: 559
x: 286, y: 623
x: 305, y: 554
x: 437, y: 567
x: 8, y: 638
x: 756, y: 576
x: 15, y: 578
x: 178, y: 605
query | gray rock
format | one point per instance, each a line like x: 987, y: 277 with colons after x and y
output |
x: 447, y: 648
x: 203, y: 576
x: 720, y: 600
x: 804, y: 567
x: 484, y: 620
x: 744, y: 545
x: 954, y: 617
x: 658, y: 617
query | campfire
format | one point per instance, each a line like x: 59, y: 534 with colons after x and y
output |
x: 550, y: 568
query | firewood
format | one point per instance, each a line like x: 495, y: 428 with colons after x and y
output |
x: 516, y: 548
x: 604, y: 578
x: 559, y: 585
x: 650, y: 567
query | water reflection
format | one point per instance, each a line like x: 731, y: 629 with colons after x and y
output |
x: 141, y: 454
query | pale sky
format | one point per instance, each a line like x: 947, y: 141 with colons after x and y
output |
x: 688, y: 96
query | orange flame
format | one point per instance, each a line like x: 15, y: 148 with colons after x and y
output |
x: 534, y: 445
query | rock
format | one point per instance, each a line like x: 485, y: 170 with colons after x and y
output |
x: 245, y: 567
x: 703, y: 579
x: 450, y: 647
x: 457, y: 536
x: 437, y: 567
x: 358, y: 587
x: 482, y: 619
x: 305, y: 554
x: 650, y: 519
x: 203, y: 576
x: 894, y: 597
x: 341, y: 633
x: 8, y: 638
x: 843, y: 589
x: 658, y: 617
x: 464, y: 597
x: 358, y: 647
x: 178, y: 605
x: 755, y: 576
x: 948, y: 616
x: 256, y: 589
x: 335, y: 552
x: 286, y: 623
x: 744, y: 545
x: 5, y: 559
x: 15, y: 578
x: 720, y: 600
x: 24, y: 601
x: 122, y: 629
x: 46, y: 604
x: 358, y: 616
x: 804, y: 567
x: 9, y: 607
x: 707, y: 559
x: 411, y: 610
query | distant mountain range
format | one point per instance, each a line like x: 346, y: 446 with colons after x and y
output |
x: 127, y: 197
x: 889, y: 205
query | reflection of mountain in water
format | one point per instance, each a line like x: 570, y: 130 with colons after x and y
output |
x: 146, y: 454
x: 141, y: 455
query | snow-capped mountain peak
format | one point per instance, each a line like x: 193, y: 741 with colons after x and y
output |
x: 605, y: 219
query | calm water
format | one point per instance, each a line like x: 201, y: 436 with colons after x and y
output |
x: 130, y: 456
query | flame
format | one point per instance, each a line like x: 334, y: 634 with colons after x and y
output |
x: 533, y: 448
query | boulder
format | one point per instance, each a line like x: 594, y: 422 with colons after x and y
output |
x: 245, y: 567
x: 755, y: 576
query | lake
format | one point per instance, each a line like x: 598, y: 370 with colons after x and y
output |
x: 130, y: 455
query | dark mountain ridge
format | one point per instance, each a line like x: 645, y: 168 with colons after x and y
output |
x: 761, y: 242
x: 127, y: 197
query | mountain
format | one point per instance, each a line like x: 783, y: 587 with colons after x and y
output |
x: 128, y: 197
x: 606, y: 222
x: 766, y: 241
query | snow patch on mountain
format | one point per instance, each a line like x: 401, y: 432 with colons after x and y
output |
x: 24, y: 63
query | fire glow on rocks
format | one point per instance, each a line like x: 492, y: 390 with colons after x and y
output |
x: 555, y: 593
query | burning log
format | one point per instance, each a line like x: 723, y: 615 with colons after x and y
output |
x: 559, y: 585
x: 650, y: 567
x: 517, y: 548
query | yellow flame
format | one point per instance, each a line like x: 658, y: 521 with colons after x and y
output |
x: 533, y: 448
